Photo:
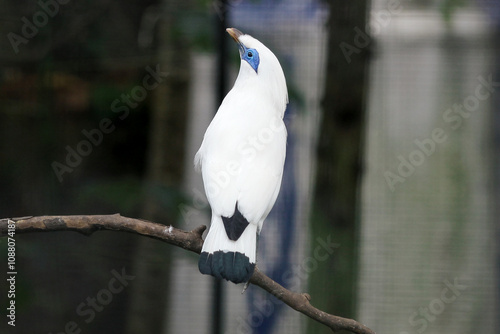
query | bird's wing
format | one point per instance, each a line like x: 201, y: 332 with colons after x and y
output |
x: 242, y: 157
x: 260, y: 179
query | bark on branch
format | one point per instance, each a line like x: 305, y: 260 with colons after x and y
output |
x: 189, y: 240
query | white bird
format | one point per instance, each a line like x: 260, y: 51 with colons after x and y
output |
x: 241, y: 161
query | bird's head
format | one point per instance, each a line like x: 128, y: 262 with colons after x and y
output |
x: 258, y: 62
x: 247, y: 46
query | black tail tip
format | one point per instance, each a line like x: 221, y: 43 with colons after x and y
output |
x: 232, y: 266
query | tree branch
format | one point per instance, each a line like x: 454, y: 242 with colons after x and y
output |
x: 191, y: 241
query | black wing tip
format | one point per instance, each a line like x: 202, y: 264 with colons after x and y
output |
x: 231, y: 266
x: 235, y: 225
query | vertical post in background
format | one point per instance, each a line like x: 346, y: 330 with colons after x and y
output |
x: 339, y: 162
x: 164, y: 168
x: 221, y: 38
x: 496, y: 139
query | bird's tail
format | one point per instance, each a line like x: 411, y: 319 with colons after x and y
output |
x: 221, y: 257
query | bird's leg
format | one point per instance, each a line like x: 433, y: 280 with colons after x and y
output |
x: 247, y: 284
x: 245, y: 287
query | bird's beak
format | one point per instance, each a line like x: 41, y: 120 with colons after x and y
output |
x: 235, y: 34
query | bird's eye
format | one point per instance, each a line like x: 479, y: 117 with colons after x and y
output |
x: 250, y: 54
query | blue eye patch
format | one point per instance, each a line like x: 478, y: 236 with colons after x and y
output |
x: 251, y: 56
